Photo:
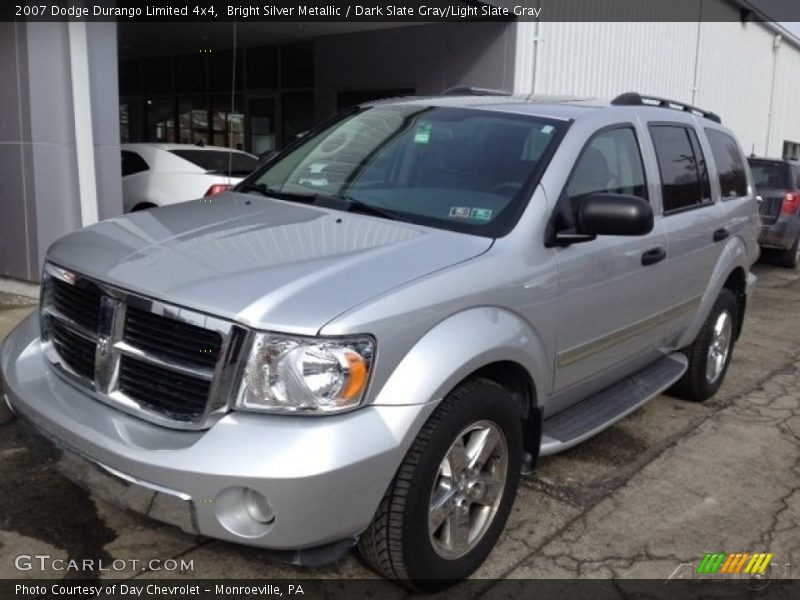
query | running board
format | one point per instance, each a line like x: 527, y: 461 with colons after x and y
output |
x: 591, y: 416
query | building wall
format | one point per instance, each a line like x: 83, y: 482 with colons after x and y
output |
x: 17, y: 209
x: 722, y: 66
x: 426, y: 58
x: 39, y: 149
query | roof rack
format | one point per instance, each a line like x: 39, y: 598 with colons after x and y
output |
x: 635, y: 99
x: 468, y: 90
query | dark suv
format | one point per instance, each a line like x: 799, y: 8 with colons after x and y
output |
x: 778, y: 183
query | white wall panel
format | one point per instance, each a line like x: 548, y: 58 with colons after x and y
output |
x: 733, y: 64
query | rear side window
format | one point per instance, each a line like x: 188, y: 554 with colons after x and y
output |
x: 132, y: 163
x: 219, y: 162
x: 684, y: 178
x: 730, y: 164
x: 611, y: 162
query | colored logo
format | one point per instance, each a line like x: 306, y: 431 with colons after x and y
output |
x: 742, y: 562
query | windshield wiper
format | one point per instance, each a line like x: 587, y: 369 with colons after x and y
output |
x: 265, y: 190
x: 350, y: 204
x: 335, y: 201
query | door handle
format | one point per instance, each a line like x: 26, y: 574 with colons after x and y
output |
x: 653, y: 256
x: 721, y: 234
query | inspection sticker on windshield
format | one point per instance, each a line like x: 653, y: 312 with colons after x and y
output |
x: 423, y: 133
x: 460, y: 212
x: 481, y: 214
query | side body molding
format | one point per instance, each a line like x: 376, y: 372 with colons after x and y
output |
x: 458, y: 346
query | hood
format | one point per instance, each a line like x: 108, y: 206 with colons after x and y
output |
x: 266, y: 263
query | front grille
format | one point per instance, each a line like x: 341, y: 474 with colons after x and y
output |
x: 180, y: 397
x: 80, y: 304
x: 75, y: 350
x: 164, y: 363
x: 172, y: 339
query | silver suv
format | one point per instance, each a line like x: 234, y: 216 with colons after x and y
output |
x: 374, y: 334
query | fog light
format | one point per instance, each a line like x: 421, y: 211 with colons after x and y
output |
x: 244, y: 512
x: 257, y: 506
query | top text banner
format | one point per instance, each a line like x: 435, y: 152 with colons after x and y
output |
x: 401, y: 10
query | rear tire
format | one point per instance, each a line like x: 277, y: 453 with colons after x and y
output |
x: 710, y: 353
x: 438, y: 522
x: 791, y: 258
x: 143, y: 206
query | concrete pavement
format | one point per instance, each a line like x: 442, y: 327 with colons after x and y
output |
x: 658, y: 490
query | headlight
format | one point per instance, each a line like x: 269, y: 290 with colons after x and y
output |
x: 314, y: 375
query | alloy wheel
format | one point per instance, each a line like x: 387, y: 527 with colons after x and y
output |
x: 468, y: 489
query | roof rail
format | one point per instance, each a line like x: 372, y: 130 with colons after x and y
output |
x: 468, y: 90
x: 635, y: 99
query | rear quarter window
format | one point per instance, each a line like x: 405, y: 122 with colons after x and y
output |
x: 684, y: 177
x: 730, y: 164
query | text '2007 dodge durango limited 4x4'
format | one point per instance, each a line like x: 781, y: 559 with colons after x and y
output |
x: 371, y: 337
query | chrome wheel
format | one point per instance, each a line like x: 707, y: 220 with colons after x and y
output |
x: 720, y: 346
x: 468, y: 489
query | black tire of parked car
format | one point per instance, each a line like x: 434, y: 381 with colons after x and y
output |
x: 143, y: 206
x: 694, y: 385
x: 791, y: 257
x: 397, y: 543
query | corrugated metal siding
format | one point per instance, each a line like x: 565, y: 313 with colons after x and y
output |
x: 605, y: 59
x: 734, y: 69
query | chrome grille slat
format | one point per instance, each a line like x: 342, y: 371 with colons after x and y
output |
x: 163, y: 363
x: 76, y: 351
x: 182, y: 397
x: 79, y: 305
x: 184, y: 343
x: 74, y: 326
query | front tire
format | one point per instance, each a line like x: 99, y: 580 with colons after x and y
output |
x: 710, y: 353
x: 451, y: 496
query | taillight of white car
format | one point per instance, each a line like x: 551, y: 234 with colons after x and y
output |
x: 217, y: 188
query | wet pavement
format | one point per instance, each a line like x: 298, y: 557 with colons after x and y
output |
x: 658, y: 490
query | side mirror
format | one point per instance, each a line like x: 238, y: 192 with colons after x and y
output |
x: 614, y: 214
x: 608, y: 214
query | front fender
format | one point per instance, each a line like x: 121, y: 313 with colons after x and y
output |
x: 733, y: 256
x: 457, y: 347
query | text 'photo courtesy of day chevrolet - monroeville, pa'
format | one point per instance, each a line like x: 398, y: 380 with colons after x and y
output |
x: 459, y: 299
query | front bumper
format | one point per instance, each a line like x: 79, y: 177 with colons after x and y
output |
x: 322, y: 477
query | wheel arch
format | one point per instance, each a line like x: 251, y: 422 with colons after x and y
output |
x: 488, y: 342
x: 517, y: 381
x: 737, y: 283
x: 143, y: 205
x: 730, y: 272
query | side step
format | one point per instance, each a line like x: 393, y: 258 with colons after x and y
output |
x: 598, y: 412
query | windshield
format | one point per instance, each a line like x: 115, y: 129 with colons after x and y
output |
x: 770, y: 174
x: 461, y: 169
x: 218, y: 161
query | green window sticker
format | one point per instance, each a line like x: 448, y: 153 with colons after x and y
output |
x: 481, y: 214
x: 423, y: 133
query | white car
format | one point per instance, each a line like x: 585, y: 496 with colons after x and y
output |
x: 161, y: 174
